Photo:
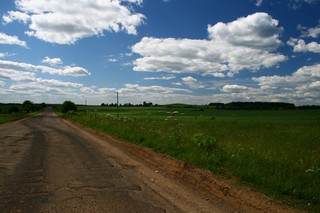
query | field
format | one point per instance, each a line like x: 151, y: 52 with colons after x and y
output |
x: 275, y: 151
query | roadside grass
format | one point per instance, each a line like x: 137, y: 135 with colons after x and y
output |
x: 277, y: 152
x: 4, y: 118
x: 7, y: 116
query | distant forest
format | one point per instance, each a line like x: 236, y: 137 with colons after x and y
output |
x: 260, y: 105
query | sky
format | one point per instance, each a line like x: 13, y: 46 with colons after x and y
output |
x: 160, y: 51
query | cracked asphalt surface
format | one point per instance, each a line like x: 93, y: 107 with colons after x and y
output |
x: 46, y: 166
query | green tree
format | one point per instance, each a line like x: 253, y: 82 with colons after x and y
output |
x: 68, y: 106
x: 27, y: 106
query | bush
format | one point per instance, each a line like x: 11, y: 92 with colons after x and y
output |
x: 68, y: 106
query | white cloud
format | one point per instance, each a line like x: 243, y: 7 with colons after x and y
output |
x: 73, y: 71
x: 245, y: 44
x: 259, y: 31
x: 138, y: 2
x: 296, y: 4
x: 177, y: 83
x: 234, y: 88
x: 313, y: 32
x: 12, y: 40
x: 192, y: 82
x: 52, y: 61
x: 16, y: 15
x: 66, y: 71
x: 302, y: 87
x: 9, y: 74
x: 300, y: 45
x: 112, y: 60
x: 154, y: 89
x: 2, y: 55
x: 45, y: 83
x: 169, y: 77
x: 298, y: 83
x: 310, y: 1
x: 259, y: 3
x: 54, y: 22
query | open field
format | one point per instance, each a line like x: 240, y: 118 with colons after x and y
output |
x: 277, y: 152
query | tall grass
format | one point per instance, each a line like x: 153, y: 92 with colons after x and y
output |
x: 277, y: 152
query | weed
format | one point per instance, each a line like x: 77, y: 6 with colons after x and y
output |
x: 205, y: 142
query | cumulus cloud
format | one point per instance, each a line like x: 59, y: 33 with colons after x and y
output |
x: 16, y: 15
x: 52, y: 61
x: 54, y: 22
x: 300, y: 82
x: 312, y: 32
x: 299, y: 45
x: 247, y: 43
x: 192, y: 82
x: 234, y: 88
x: 259, y: 31
x: 66, y: 71
x: 11, y: 40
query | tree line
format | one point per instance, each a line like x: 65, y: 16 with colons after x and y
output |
x: 260, y: 106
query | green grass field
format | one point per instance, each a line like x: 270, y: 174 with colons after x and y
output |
x: 5, y: 116
x: 277, y: 152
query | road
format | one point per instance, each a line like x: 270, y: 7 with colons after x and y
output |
x: 48, y: 164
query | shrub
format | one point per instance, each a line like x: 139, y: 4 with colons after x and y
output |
x: 205, y: 142
x: 68, y: 106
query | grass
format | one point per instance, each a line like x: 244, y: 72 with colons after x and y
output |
x: 7, y: 116
x: 4, y: 118
x: 277, y: 152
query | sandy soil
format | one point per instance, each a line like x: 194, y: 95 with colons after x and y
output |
x: 48, y: 164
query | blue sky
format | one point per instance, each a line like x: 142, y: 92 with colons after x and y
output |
x: 160, y: 51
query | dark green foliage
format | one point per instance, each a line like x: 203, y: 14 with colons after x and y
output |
x: 28, y: 106
x: 68, y: 106
x: 13, y: 109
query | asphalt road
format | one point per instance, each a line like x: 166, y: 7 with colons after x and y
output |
x: 47, y: 166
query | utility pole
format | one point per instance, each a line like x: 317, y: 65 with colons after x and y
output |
x: 118, y: 103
